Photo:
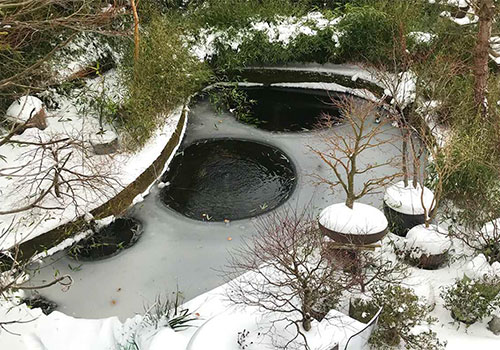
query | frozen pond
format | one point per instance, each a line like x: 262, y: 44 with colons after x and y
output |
x: 227, y: 180
x: 175, y: 251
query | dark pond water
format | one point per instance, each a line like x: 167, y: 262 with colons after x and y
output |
x: 110, y: 240
x: 288, y: 109
x: 227, y: 179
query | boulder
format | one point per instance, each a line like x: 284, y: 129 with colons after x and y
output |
x: 28, y: 111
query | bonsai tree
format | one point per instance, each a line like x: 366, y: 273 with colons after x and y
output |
x: 291, y: 277
x: 364, y: 126
x: 362, y: 130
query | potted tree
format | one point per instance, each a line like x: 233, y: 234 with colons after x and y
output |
x: 427, y: 244
x: 404, y: 201
x: 352, y: 222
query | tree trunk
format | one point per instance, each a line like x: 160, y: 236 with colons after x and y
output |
x: 485, y: 11
x: 306, y: 323
x: 404, y: 160
x: 350, y: 184
x: 306, y: 308
x: 136, y: 30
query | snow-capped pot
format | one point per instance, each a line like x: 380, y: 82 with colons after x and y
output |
x: 363, y: 224
x: 27, y: 110
x: 427, y: 247
x: 403, y: 206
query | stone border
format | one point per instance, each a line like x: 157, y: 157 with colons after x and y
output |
x: 115, y: 206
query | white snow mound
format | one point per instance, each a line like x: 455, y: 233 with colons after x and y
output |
x: 361, y: 219
x: 61, y: 332
x: 430, y: 240
x: 491, y: 230
x: 24, y: 108
x: 408, y: 200
x: 479, y: 267
x: 167, y: 338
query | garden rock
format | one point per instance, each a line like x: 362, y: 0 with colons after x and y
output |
x: 28, y: 110
x: 494, y: 325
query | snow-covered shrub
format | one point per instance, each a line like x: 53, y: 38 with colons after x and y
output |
x: 470, y: 300
x: 401, y: 315
x: 311, y: 38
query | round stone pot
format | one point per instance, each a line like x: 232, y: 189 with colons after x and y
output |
x: 110, y: 240
x: 403, y: 206
x: 357, y: 239
x: 400, y: 223
x: 361, y: 225
x: 427, y: 247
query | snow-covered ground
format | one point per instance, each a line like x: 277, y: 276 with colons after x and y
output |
x: 17, y: 184
x: 176, y: 249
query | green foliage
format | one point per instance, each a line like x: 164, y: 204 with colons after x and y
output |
x: 167, y: 312
x: 256, y: 49
x: 235, y: 100
x: 368, y: 34
x: 378, y: 31
x: 470, y: 300
x: 240, y: 13
x: 401, y: 313
x: 163, y: 78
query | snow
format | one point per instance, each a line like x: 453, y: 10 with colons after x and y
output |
x: 495, y: 48
x: 430, y: 240
x: 163, y: 184
x: 282, y: 31
x: 9, y: 311
x: 168, y: 338
x: 215, y: 326
x: 401, y: 87
x: 104, y: 137
x: 459, y: 3
x: 408, y: 200
x: 90, y: 334
x: 124, y: 167
x: 84, y: 51
x: 491, y: 230
x: 440, y: 132
x: 24, y: 108
x: 68, y: 242
x: 480, y: 268
x: 470, y: 18
x: 362, y: 219
x: 422, y: 37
